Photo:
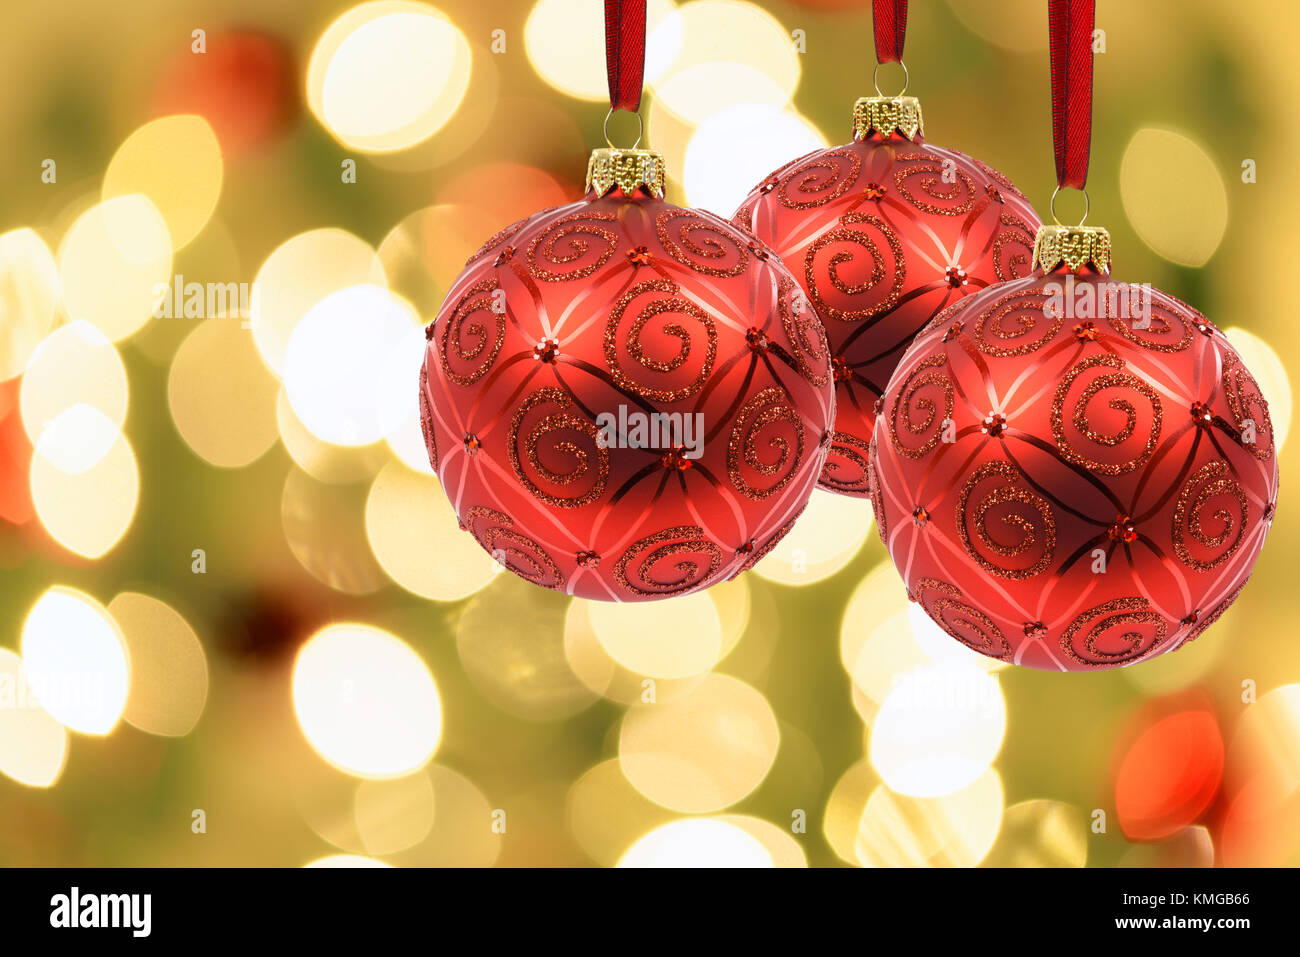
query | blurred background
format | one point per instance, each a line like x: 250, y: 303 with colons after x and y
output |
x: 232, y: 633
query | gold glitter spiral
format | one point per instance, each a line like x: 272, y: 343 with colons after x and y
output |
x: 683, y: 550
x: 495, y: 531
x: 1127, y: 622
x: 1034, y: 522
x: 927, y: 375
x: 473, y: 333
x: 564, y: 421
x: 961, y: 620
x: 1122, y: 381
x: 1212, y: 482
x: 761, y: 415
x: 573, y: 246
x: 667, y: 302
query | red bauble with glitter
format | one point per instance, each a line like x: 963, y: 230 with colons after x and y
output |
x: 623, y: 399
x: 1068, y: 479
x: 882, y: 235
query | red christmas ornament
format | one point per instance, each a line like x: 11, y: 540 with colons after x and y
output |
x: 1073, y: 472
x: 621, y: 397
x: 884, y: 233
x: 1065, y: 485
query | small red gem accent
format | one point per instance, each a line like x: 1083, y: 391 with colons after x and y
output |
x: 640, y: 256
x: 756, y: 339
x: 472, y: 443
x: 825, y: 440
x: 546, y: 350
x: 769, y: 184
x: 675, y: 458
x: 1085, y: 332
x: 1122, y: 530
x: 995, y: 423
x: 878, y: 406
x: 874, y: 191
x: 956, y: 276
x: 953, y: 331
x: 1192, y: 618
x: 1035, y: 629
x: 1202, y: 413
x: 428, y: 330
x: 746, y: 549
x: 993, y: 193
x: 761, y: 253
x: 1204, y: 328
x: 505, y: 256
x: 920, y: 515
x: 587, y: 559
x: 1269, y: 510
x: 841, y: 369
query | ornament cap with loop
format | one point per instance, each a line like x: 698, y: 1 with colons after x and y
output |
x: 886, y: 115
x: 1077, y: 247
x: 625, y: 169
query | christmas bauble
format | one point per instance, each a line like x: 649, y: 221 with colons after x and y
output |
x: 883, y: 234
x: 624, y: 399
x: 1073, y: 472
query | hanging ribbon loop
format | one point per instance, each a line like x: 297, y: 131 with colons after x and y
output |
x: 890, y: 19
x: 1071, y: 24
x: 625, y: 26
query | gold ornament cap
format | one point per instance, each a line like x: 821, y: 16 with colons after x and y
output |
x: 629, y: 170
x: 885, y: 114
x: 1076, y: 246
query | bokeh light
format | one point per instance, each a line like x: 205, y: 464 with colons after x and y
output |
x: 1041, y: 833
x: 216, y: 377
x: 566, y: 45
x: 702, y: 751
x: 76, y: 660
x: 511, y: 644
x: 33, y: 745
x: 74, y: 365
x: 85, y: 481
x: 698, y: 842
x: 757, y: 138
x: 176, y: 163
x: 349, y: 365
x: 387, y: 75
x: 828, y: 534
x: 1173, y: 195
x: 301, y: 272
x: 414, y: 534
x: 724, y: 52
x: 366, y: 702
x: 938, y: 730
x: 676, y: 638
x: 169, y: 671
x: 112, y: 263
x: 957, y: 830
x: 29, y: 296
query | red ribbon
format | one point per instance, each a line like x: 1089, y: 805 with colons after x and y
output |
x: 890, y: 18
x: 625, y: 52
x: 1071, y: 23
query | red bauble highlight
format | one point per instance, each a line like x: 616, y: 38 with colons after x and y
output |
x: 625, y: 306
x: 883, y: 234
x: 1073, y: 491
